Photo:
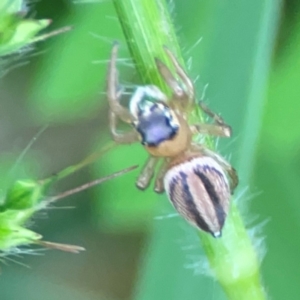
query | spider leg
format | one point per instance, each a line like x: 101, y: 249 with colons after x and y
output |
x: 211, y: 129
x: 183, y: 89
x: 147, y: 173
x: 112, y: 92
x: 234, y: 180
x: 117, y: 111
x: 170, y: 79
x: 124, y: 137
x: 218, y: 119
x: 182, y: 74
x: 159, y: 181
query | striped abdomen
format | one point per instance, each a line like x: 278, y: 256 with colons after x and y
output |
x: 199, y: 190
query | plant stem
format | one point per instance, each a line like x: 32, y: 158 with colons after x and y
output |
x: 147, y: 27
x: 74, y: 168
x: 87, y: 186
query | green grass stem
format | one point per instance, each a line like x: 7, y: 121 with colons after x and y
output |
x: 147, y: 27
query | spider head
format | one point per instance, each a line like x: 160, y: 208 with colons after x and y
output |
x: 156, y: 124
x: 155, y: 121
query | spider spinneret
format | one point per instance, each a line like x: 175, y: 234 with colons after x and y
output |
x: 197, y: 180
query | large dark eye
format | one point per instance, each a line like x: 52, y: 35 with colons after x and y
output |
x: 156, y: 125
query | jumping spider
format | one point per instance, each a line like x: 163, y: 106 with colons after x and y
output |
x: 197, y: 180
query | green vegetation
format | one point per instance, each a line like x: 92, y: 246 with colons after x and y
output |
x: 136, y: 247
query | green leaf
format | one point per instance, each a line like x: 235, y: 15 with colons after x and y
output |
x: 23, y: 194
x: 12, y: 232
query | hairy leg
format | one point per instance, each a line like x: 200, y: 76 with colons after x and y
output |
x: 159, y: 181
x: 211, y: 129
x: 182, y: 74
x: 121, y: 138
x: 147, y: 173
x: 112, y: 91
x: 217, y: 119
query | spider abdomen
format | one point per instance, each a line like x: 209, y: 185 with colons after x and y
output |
x: 199, y: 190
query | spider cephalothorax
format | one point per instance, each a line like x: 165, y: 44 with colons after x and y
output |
x: 155, y: 121
x: 197, y: 180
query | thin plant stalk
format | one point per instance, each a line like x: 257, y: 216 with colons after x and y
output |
x: 85, y: 162
x: 86, y: 186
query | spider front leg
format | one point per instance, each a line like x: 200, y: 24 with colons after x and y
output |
x: 124, y: 137
x: 117, y: 111
x: 181, y: 92
x: 112, y: 91
x: 189, y: 86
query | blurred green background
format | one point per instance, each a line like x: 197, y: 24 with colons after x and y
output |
x: 249, y: 54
